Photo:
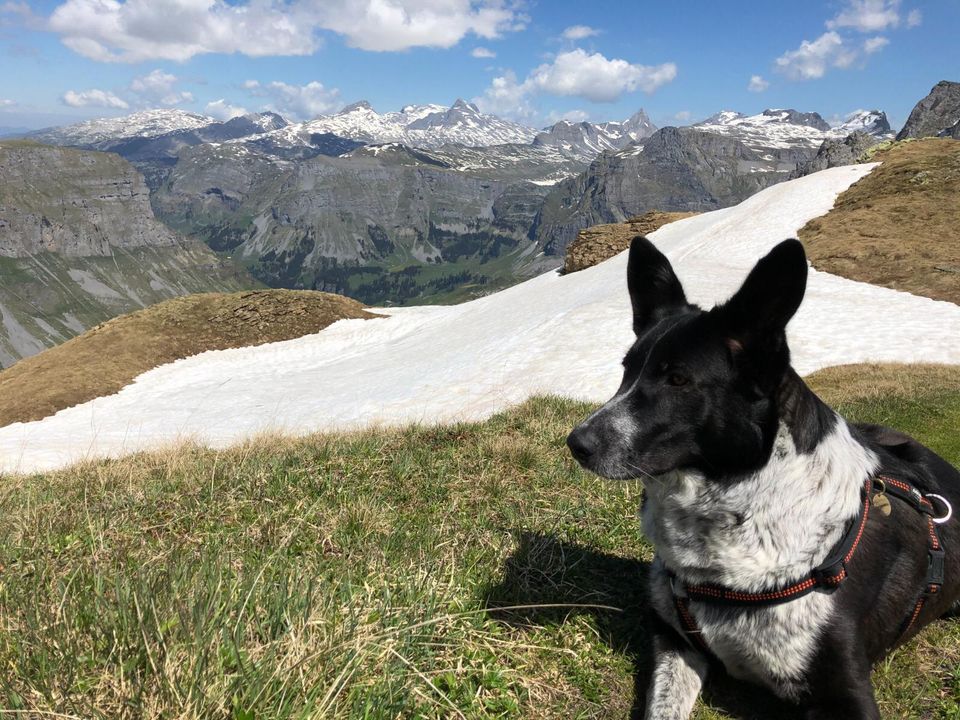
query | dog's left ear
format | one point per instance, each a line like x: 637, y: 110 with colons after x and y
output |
x: 756, y: 317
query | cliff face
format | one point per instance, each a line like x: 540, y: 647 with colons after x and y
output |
x: 676, y: 169
x: 937, y: 114
x: 79, y: 244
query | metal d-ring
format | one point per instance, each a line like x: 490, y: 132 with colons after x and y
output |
x: 946, y: 504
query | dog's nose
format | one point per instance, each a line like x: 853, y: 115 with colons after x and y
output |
x: 582, y: 443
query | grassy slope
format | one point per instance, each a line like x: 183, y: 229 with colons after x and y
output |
x: 897, y: 227
x: 104, y: 359
x: 354, y: 576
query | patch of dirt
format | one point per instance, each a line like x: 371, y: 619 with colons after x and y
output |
x: 601, y: 242
x: 899, y: 226
x: 105, y: 358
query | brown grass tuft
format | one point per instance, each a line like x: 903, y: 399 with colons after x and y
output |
x: 104, y: 359
x: 898, y: 226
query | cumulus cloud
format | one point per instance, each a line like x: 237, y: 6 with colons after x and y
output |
x: 158, y: 88
x: 596, y: 78
x: 507, y: 98
x: 138, y: 30
x: 300, y: 102
x: 573, y: 116
x: 757, y: 84
x: 812, y: 59
x: 222, y: 110
x: 6, y: 103
x: 482, y: 52
x: 94, y: 98
x: 579, y: 32
x: 914, y: 18
x: 867, y: 15
x: 682, y: 116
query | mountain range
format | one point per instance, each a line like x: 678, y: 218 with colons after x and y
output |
x: 434, y: 203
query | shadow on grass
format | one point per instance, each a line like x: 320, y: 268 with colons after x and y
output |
x: 545, y: 570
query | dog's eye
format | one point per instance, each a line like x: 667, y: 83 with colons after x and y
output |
x: 677, y: 380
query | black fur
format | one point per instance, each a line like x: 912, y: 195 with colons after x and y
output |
x: 708, y: 391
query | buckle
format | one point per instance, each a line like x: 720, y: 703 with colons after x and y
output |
x: 935, y: 571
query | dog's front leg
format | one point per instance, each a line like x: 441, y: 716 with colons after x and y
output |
x: 678, y: 675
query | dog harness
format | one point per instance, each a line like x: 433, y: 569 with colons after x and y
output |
x: 832, y: 571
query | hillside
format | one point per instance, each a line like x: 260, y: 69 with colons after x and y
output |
x: 898, y: 226
x: 104, y: 359
x: 79, y: 244
x: 553, y: 334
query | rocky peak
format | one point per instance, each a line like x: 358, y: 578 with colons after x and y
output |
x: 359, y: 105
x: 937, y: 114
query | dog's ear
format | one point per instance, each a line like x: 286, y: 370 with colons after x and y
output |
x: 654, y: 287
x: 756, y: 317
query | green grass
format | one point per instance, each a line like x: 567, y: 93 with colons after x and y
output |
x: 375, y: 575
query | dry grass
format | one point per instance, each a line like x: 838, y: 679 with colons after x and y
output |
x: 601, y: 242
x: 846, y: 384
x: 898, y: 227
x: 104, y: 359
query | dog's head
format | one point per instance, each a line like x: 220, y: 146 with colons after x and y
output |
x: 699, y: 386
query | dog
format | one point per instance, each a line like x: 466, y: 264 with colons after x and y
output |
x: 792, y: 547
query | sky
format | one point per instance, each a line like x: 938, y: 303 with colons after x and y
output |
x: 533, y: 61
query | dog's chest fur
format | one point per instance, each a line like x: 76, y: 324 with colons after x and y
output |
x: 760, y: 532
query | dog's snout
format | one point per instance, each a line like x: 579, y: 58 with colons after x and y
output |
x: 583, y: 443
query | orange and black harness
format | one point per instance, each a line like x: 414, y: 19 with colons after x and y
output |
x: 829, y: 574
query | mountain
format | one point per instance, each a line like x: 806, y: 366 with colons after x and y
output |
x: 871, y: 122
x: 79, y: 244
x: 937, y: 114
x: 711, y: 164
x: 584, y: 141
x: 422, y: 126
x: 381, y: 223
x: 146, y: 124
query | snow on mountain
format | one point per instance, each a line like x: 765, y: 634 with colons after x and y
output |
x: 146, y: 124
x: 586, y: 140
x: 553, y: 334
x: 425, y: 126
x: 790, y: 130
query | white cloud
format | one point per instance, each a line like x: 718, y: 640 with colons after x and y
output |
x: 572, y: 74
x: 222, y: 110
x: 813, y: 58
x: 94, y: 98
x: 301, y: 102
x: 875, y: 44
x: 757, y: 84
x: 138, y: 30
x: 914, y: 18
x: 482, y: 52
x: 579, y: 32
x: 6, y: 103
x: 158, y: 88
x: 867, y: 15
x: 682, y: 116
x: 596, y: 78
x: 573, y: 116
x: 507, y: 98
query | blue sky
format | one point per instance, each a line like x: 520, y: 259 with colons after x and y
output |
x: 533, y: 61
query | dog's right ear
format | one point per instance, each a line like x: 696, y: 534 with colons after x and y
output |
x: 654, y: 287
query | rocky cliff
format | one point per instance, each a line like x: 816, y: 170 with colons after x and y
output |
x: 937, y: 114
x: 79, y: 244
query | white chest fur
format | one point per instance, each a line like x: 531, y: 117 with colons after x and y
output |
x: 761, y: 531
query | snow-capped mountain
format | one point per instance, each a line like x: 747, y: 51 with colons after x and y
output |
x: 584, y: 140
x: 424, y: 126
x: 785, y: 131
x: 146, y: 124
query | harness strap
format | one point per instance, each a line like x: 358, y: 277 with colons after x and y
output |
x: 829, y: 574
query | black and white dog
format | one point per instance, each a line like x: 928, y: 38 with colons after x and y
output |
x: 778, y: 551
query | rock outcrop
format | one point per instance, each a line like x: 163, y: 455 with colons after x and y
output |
x: 602, y: 242
x: 834, y: 153
x: 937, y: 114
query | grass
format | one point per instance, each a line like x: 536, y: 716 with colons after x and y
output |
x: 470, y: 571
x: 897, y: 227
x: 104, y: 359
